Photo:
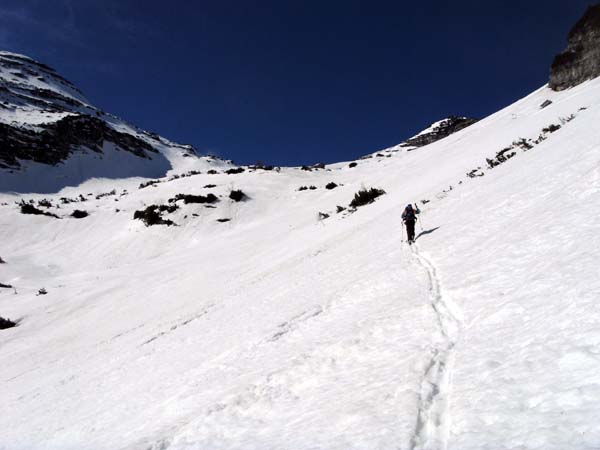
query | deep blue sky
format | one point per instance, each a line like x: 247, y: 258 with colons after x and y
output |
x: 293, y: 82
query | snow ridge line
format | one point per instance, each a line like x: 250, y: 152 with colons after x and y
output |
x: 433, y: 419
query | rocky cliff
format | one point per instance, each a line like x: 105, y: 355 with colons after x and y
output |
x: 581, y: 59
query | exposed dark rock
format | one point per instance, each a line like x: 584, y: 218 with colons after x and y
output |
x: 551, y: 128
x: 502, y: 156
x: 237, y: 195
x: 28, y: 208
x: 184, y: 175
x: 5, y: 286
x: 545, y: 104
x: 339, y: 209
x: 188, y: 198
x: 235, y: 171
x: 149, y: 183
x: 79, y: 214
x: 581, y: 59
x: 443, y: 129
x: 2, y: 261
x: 106, y: 194
x: 541, y: 138
x: 151, y: 216
x: 168, y: 208
x: 567, y: 119
x: 58, y: 140
x: 42, y: 291
x: 475, y: 173
x: 313, y: 167
x: 352, y: 164
x: 323, y: 216
x: 223, y: 220
x: 6, y: 323
x: 331, y: 185
x: 523, y: 143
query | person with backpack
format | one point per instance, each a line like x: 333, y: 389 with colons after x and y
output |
x: 409, y: 217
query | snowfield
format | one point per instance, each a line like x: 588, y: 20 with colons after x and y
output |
x: 277, y: 330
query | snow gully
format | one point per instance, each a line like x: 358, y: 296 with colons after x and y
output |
x: 433, y: 420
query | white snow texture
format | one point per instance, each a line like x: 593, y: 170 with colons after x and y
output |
x: 277, y: 330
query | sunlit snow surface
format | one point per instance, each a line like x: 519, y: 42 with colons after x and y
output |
x: 279, y: 331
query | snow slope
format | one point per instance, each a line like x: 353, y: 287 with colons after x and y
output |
x: 278, y: 330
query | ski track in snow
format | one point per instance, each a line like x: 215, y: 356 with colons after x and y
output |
x: 290, y: 325
x: 180, y: 323
x: 433, y: 417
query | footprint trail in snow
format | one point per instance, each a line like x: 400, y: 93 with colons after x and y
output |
x: 433, y: 419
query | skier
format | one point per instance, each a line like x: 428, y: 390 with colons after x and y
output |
x: 409, y: 217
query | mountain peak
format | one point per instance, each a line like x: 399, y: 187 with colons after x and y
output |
x: 51, y: 136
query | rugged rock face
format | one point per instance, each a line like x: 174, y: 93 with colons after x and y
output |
x: 45, y: 119
x: 57, y: 140
x: 439, y: 130
x: 581, y: 60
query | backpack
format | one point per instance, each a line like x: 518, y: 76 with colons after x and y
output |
x: 409, y: 213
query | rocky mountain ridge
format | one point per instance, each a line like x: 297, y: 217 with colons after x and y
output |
x: 45, y: 119
x: 581, y: 59
x: 439, y: 130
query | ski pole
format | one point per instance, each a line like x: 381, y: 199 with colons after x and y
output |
x: 419, y: 219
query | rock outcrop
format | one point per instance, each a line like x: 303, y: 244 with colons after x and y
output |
x: 433, y: 133
x: 56, y: 141
x: 581, y: 59
x: 439, y: 130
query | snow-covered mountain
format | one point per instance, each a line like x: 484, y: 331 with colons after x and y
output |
x: 281, y: 317
x: 51, y: 136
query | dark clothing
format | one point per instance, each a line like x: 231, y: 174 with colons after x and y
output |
x: 410, y: 230
x: 410, y: 213
x: 409, y: 216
